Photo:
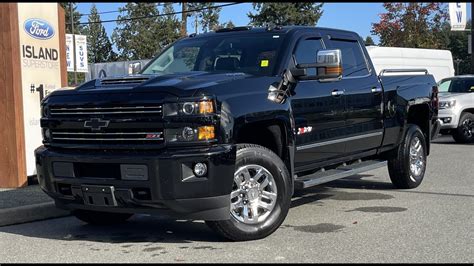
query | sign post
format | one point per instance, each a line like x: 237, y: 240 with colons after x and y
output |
x: 33, y: 51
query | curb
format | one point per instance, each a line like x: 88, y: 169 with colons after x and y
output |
x: 31, y: 213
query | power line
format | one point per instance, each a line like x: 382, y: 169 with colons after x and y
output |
x: 159, y: 15
x: 113, y: 11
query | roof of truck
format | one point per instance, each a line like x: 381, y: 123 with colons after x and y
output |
x: 275, y: 29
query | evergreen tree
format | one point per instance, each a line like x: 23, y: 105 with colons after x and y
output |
x: 99, y: 48
x: 138, y: 38
x: 78, y: 29
x: 369, y: 41
x: 170, y: 26
x: 208, y: 17
x: 286, y: 13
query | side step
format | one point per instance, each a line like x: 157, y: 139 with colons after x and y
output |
x: 323, y: 176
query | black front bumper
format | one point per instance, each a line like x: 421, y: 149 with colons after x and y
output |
x: 170, y: 187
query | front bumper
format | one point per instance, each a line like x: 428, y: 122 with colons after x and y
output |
x: 170, y: 187
x: 448, y: 118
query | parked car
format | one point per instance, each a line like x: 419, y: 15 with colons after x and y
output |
x: 224, y: 126
x: 456, y: 107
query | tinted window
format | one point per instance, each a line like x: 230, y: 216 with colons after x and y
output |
x: 353, y: 61
x: 457, y: 85
x: 306, y: 52
x: 255, y: 54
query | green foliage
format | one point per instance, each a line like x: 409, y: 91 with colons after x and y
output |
x: 207, y: 18
x: 413, y: 24
x: 286, y: 13
x: 78, y: 29
x: 456, y: 42
x: 99, y: 48
x: 145, y: 37
x: 369, y: 41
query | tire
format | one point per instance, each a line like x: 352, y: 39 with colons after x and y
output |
x: 101, y: 218
x: 464, y: 133
x: 251, y: 159
x: 404, y: 173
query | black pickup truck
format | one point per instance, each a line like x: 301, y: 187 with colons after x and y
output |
x: 225, y: 126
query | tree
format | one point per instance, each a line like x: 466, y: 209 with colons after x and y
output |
x: 207, y: 16
x: 411, y: 24
x: 456, y: 42
x: 99, y: 48
x: 78, y: 29
x: 170, y: 26
x: 137, y: 38
x: 286, y: 13
x: 369, y: 41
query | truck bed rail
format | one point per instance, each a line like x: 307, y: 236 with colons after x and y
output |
x: 403, y: 70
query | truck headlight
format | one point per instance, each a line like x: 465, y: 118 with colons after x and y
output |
x: 186, y: 108
x: 447, y: 104
x: 190, y: 134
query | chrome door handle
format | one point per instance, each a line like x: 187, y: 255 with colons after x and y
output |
x: 376, y: 90
x: 337, y: 93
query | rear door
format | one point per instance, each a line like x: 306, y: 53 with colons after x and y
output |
x: 363, y: 94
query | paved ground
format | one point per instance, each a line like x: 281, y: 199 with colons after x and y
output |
x: 357, y: 219
x: 10, y: 198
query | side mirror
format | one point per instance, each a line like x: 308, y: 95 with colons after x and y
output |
x: 134, y: 68
x: 328, y: 66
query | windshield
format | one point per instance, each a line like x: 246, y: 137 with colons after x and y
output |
x: 249, y: 54
x: 457, y: 85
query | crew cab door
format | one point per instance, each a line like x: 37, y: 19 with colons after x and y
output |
x: 318, y: 110
x: 363, y: 95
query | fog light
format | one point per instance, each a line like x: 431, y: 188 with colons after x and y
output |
x: 200, y: 169
x: 188, y: 133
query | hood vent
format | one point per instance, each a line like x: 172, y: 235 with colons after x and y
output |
x: 124, y: 81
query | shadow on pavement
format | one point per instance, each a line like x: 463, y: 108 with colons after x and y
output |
x: 152, y: 230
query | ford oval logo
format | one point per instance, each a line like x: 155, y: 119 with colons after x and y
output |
x: 39, y: 28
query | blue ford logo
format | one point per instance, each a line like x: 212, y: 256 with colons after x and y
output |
x: 38, y: 28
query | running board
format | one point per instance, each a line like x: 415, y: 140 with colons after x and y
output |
x: 323, y: 176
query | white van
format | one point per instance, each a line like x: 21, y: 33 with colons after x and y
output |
x: 439, y: 63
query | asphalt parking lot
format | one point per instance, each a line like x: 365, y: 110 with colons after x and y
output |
x: 356, y: 219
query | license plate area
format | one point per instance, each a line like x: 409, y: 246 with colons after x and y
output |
x: 99, y: 195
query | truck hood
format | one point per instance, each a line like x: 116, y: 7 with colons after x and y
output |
x: 179, y: 85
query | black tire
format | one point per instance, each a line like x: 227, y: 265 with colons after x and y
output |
x: 232, y: 229
x: 101, y: 218
x: 399, y: 163
x: 464, y: 133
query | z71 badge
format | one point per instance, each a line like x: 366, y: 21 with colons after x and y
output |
x: 303, y: 130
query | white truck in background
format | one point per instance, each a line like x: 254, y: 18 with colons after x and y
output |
x: 438, y: 62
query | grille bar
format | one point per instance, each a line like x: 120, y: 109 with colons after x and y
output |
x: 114, y: 139
x: 105, y: 133
x: 106, y: 110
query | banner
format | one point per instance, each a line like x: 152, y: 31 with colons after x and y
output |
x: 457, y: 16
x: 40, y: 67
x: 81, y: 53
x: 69, y: 53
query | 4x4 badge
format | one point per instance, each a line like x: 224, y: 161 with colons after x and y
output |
x: 96, y: 124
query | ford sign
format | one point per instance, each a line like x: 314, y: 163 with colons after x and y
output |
x: 38, y: 28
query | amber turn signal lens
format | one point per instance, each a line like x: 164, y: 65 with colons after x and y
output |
x: 206, y: 107
x: 206, y: 133
x: 333, y: 70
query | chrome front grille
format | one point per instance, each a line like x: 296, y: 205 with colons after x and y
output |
x: 113, y: 110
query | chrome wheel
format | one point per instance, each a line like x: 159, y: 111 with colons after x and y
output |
x: 254, y: 194
x: 417, y: 159
x: 467, y: 126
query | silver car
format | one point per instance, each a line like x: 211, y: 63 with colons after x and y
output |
x: 456, y: 107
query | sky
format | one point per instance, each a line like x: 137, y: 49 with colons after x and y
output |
x: 356, y: 17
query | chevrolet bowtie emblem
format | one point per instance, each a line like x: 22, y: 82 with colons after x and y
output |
x: 96, y: 124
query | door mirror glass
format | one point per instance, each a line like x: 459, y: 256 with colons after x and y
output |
x: 134, y: 68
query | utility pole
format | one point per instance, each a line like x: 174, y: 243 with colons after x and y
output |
x: 73, y: 41
x: 184, y: 19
